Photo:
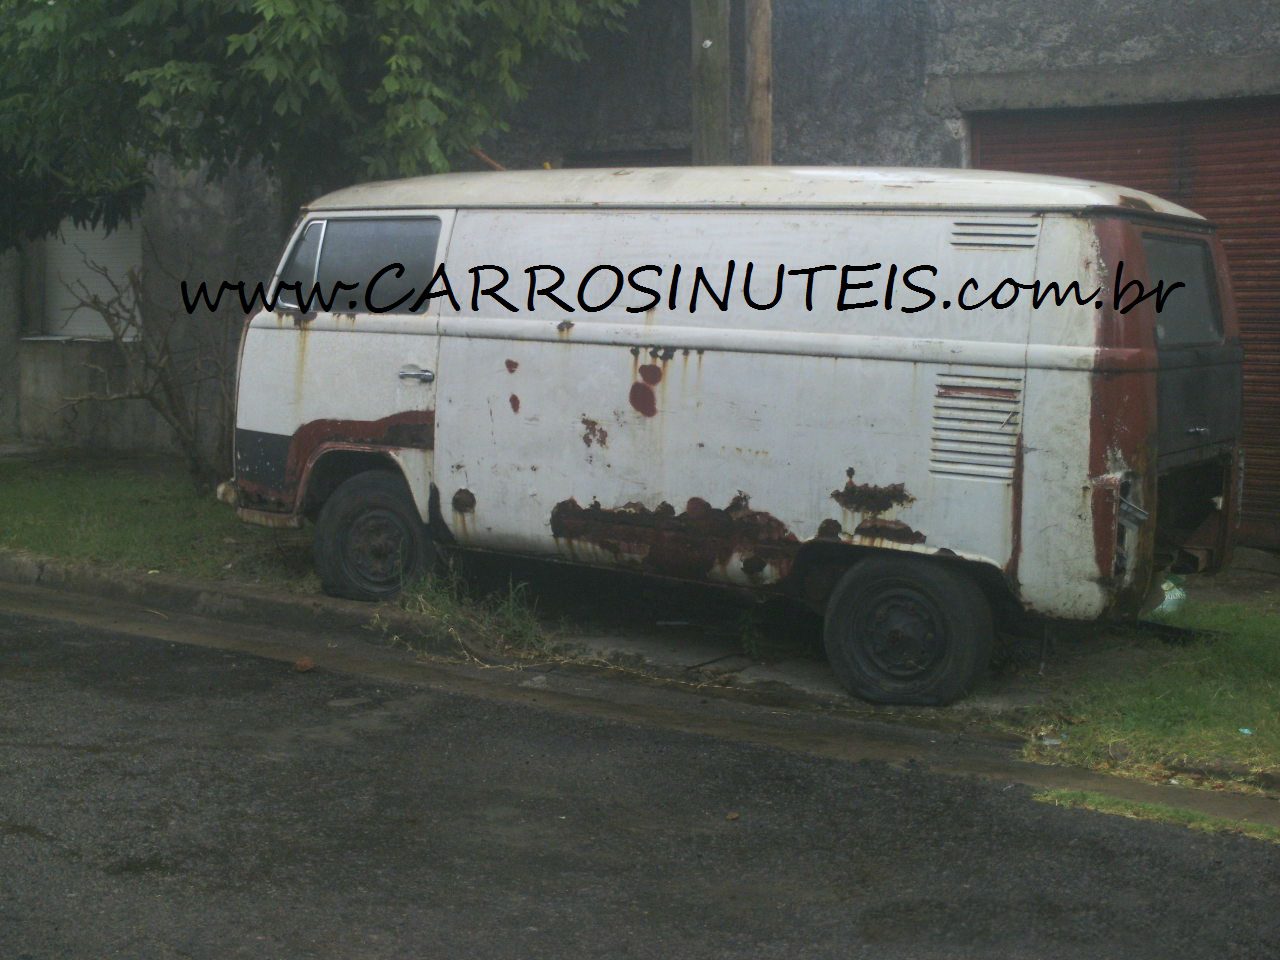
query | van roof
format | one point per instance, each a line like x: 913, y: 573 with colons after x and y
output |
x: 868, y: 187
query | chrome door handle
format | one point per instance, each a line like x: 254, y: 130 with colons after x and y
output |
x: 414, y: 373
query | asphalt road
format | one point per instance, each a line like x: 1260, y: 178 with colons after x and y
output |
x: 164, y: 800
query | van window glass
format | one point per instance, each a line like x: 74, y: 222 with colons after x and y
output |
x: 301, y: 266
x: 1190, y: 313
x: 357, y: 250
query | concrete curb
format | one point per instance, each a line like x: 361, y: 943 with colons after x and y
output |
x: 226, y: 602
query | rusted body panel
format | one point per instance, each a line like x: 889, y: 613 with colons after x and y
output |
x: 719, y: 443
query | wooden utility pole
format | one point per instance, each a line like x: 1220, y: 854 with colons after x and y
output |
x: 760, y: 82
x: 711, y: 80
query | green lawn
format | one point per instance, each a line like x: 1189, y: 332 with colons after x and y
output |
x: 141, y: 514
x: 1211, y: 700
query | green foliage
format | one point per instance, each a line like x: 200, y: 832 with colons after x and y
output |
x: 325, y: 92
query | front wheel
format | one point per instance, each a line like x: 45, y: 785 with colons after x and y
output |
x: 900, y: 630
x: 370, y: 541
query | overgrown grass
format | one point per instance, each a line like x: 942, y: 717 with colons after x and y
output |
x: 446, y: 608
x: 142, y: 514
x: 1211, y: 700
x: 1136, y: 810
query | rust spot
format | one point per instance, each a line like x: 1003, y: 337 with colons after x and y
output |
x: 753, y: 566
x: 829, y: 530
x: 662, y: 353
x: 984, y: 393
x: 512, y: 366
x: 894, y: 530
x: 594, y: 433
x: 689, y: 545
x: 464, y: 501
x: 515, y: 403
x: 643, y: 400
x: 651, y: 374
x: 564, y: 326
x: 868, y: 498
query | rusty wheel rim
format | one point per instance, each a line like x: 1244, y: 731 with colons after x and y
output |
x: 376, y: 549
x: 902, y: 635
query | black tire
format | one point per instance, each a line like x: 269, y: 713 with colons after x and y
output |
x: 900, y: 630
x: 369, y: 540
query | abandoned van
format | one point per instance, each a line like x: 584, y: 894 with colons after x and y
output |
x: 925, y: 403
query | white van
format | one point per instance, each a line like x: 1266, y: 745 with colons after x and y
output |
x: 922, y: 401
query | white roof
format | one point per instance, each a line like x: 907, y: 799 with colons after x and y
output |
x: 869, y: 187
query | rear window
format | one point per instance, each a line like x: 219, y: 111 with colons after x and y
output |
x: 1190, y: 313
x: 353, y: 251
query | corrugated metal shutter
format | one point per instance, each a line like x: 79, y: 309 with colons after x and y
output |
x: 1221, y: 160
x: 65, y: 254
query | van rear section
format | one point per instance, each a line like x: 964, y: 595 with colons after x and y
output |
x: 1164, y: 457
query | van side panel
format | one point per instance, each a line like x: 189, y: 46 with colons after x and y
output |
x: 712, y: 445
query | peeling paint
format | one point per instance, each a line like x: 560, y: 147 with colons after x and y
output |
x: 892, y: 530
x: 868, y: 498
x: 690, y: 545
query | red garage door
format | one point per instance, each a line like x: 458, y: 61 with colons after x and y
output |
x: 1223, y: 161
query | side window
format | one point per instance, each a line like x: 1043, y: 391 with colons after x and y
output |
x: 1190, y: 315
x: 299, y: 271
x: 357, y: 251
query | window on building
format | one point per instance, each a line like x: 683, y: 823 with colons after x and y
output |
x: 69, y: 276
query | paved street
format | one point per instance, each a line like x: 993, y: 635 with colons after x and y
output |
x: 164, y: 800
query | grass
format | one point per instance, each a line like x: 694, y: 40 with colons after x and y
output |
x: 142, y: 514
x: 447, y: 607
x: 1180, y: 706
x: 1159, y: 812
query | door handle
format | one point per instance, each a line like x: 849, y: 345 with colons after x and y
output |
x: 416, y: 373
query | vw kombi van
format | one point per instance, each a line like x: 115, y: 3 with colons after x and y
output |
x: 923, y: 402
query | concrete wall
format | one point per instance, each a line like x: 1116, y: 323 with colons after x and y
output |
x: 888, y: 81
x: 192, y: 229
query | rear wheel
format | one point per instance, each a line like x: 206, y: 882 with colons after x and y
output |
x: 370, y: 541
x: 900, y: 630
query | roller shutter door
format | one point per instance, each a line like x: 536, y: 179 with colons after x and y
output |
x: 1220, y: 159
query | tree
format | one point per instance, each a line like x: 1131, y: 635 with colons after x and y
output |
x: 322, y: 92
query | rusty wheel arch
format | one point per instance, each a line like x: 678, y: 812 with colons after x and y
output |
x: 333, y: 468
x: 819, y: 564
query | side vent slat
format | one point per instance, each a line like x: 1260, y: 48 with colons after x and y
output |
x: 995, y: 234
x: 976, y: 423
